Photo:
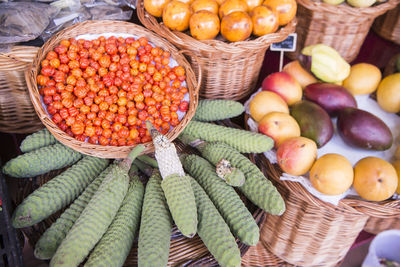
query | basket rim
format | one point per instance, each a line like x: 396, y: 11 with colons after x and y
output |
x: 193, y: 84
x: 346, y: 9
x: 185, y: 40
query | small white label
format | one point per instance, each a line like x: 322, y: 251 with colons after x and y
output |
x: 287, y: 45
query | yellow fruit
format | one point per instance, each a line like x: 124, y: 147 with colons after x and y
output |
x: 204, y: 25
x: 296, y: 155
x: 264, y: 19
x: 176, y: 15
x: 279, y: 126
x: 364, y: 78
x: 236, y: 26
x: 375, y: 179
x: 209, y: 5
x: 155, y: 7
x: 396, y: 165
x: 301, y: 75
x: 332, y: 174
x: 253, y: 3
x: 388, y: 94
x: 286, y: 9
x: 265, y: 102
x: 229, y: 6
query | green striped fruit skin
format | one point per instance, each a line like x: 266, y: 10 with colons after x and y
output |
x: 213, y: 230
x: 242, y: 140
x: 257, y: 188
x: 225, y: 199
x: 181, y: 203
x: 41, y: 160
x: 155, y: 226
x: 94, y: 220
x: 58, y: 192
x: 55, y: 234
x: 217, y: 109
x: 116, y: 243
x: 37, y: 140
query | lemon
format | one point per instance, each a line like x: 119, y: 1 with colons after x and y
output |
x: 388, y: 94
x: 364, y: 78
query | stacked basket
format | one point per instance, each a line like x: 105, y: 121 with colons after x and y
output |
x: 16, y: 111
x: 340, y: 26
x: 388, y: 25
x: 230, y: 70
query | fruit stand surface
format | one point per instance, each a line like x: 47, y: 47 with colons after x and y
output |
x: 375, y: 50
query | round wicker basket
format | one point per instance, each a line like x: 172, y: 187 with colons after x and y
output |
x: 340, y: 26
x: 183, y: 251
x: 230, y: 70
x: 388, y: 25
x: 101, y: 27
x: 17, y: 114
x: 310, y: 232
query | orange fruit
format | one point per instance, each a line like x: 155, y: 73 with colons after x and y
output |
x: 286, y: 9
x: 155, y: 7
x: 236, y: 26
x: 204, y: 25
x: 219, y: 2
x: 375, y: 179
x: 176, y: 15
x: 209, y: 5
x: 265, y: 20
x: 253, y: 3
x: 230, y: 6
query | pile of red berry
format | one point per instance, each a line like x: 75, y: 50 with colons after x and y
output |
x: 105, y: 89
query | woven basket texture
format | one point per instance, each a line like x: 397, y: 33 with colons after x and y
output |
x: 388, y: 25
x: 17, y: 114
x: 310, y: 232
x: 100, y: 27
x: 230, y: 70
x: 183, y: 251
x: 340, y: 26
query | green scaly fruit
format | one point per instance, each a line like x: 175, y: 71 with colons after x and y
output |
x: 41, y: 160
x: 217, y: 109
x: 155, y: 226
x: 58, y: 192
x: 37, y: 140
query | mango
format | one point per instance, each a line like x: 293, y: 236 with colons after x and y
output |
x: 330, y: 97
x: 362, y: 129
x: 314, y: 122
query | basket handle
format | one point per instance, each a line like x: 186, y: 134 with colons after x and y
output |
x: 388, y: 210
x: 199, y: 71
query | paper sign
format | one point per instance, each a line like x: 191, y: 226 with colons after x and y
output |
x: 287, y: 45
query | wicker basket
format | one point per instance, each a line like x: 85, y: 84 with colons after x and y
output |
x: 388, y: 25
x: 17, y: 114
x: 340, y: 26
x: 230, y: 70
x: 100, y: 27
x: 183, y: 251
x: 310, y: 232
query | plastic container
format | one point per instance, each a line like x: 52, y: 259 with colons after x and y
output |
x: 385, y: 245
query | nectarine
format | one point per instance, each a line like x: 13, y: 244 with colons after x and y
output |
x: 284, y: 85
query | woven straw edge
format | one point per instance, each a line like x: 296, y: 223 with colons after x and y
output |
x: 99, y: 150
x: 184, y: 40
x: 345, y: 9
x: 383, y: 209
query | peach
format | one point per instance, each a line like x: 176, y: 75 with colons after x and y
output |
x: 302, y: 76
x: 297, y: 155
x: 265, y: 102
x: 279, y: 126
x: 284, y: 85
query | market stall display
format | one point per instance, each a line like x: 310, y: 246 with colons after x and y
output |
x: 341, y: 26
x: 330, y: 172
x: 117, y: 150
x: 230, y: 69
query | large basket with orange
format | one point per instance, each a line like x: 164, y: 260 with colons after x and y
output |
x: 342, y: 26
x: 86, y: 93
x: 230, y: 69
